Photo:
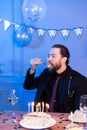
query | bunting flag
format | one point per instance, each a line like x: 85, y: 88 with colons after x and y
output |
x: 1, y: 20
x: 41, y: 31
x: 78, y: 31
x: 16, y: 26
x: 31, y: 30
x: 52, y: 34
x: 6, y: 25
x: 65, y: 33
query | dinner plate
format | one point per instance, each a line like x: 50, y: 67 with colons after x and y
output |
x: 78, y: 120
x: 48, y: 124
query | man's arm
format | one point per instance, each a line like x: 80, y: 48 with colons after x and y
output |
x: 30, y: 81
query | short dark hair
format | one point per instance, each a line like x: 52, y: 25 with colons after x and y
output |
x: 63, y: 51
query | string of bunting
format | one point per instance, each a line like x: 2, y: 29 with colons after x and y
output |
x: 41, y: 31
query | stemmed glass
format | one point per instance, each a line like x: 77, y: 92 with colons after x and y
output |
x: 13, y: 99
x: 83, y: 107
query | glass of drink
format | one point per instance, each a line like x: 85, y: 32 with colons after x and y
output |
x: 13, y: 99
x: 83, y: 108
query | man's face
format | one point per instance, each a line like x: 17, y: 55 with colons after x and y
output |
x: 55, y: 59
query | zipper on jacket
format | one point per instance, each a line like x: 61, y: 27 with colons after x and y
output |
x: 70, y: 93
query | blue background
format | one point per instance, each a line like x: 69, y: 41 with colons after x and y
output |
x: 14, y: 61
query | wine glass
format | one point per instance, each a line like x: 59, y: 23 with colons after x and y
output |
x: 83, y: 107
x: 13, y: 99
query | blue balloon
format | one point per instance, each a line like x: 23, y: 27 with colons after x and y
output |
x: 33, y: 10
x: 22, y: 37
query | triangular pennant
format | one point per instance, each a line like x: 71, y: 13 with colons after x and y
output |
x: 1, y: 20
x: 6, y: 24
x: 16, y: 26
x: 52, y: 34
x: 41, y: 32
x: 65, y: 33
x: 78, y: 31
x: 31, y: 30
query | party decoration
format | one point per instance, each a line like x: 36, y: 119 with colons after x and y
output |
x: 52, y: 34
x: 41, y: 32
x: 78, y: 31
x: 23, y: 33
x: 22, y: 36
x: 0, y: 20
x: 33, y: 10
x: 16, y: 26
x: 31, y: 30
x: 65, y: 33
x: 6, y: 25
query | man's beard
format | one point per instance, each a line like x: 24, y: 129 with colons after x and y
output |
x: 54, y: 68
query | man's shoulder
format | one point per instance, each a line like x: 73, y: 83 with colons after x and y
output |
x: 76, y: 73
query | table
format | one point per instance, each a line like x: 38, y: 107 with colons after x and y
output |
x: 7, y: 124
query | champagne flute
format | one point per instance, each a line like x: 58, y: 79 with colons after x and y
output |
x: 13, y: 99
x: 83, y: 107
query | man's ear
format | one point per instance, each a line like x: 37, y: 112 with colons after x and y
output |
x: 64, y: 59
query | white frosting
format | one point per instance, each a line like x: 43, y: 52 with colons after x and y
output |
x: 36, y: 119
x: 79, y: 116
x: 74, y: 126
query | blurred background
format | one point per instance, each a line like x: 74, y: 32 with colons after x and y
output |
x: 28, y: 29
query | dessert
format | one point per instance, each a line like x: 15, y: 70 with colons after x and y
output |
x: 73, y: 126
x: 37, y: 120
x: 78, y: 116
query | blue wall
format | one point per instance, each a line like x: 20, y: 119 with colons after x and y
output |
x: 60, y: 14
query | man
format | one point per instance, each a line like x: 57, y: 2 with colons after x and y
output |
x: 71, y: 84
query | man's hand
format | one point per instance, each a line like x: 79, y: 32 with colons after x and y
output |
x: 34, y: 63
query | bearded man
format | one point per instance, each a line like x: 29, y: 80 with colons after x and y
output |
x: 71, y: 84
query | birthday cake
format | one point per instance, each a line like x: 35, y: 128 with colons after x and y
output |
x: 38, y: 120
x: 77, y: 116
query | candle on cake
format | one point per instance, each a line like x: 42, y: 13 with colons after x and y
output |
x: 29, y: 107
x: 47, y: 107
x: 32, y: 107
x: 39, y: 107
x: 71, y: 114
x: 42, y: 106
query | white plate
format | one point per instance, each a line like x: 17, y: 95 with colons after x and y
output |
x: 46, y: 125
x: 76, y: 120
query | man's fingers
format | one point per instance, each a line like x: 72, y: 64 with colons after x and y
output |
x: 35, y: 61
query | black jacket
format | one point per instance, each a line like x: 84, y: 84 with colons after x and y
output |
x: 71, y: 86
